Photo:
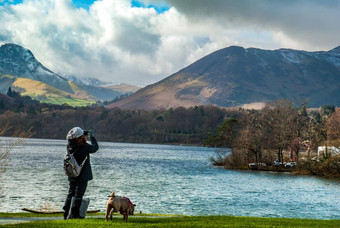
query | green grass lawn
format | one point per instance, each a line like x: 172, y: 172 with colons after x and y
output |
x: 181, y: 221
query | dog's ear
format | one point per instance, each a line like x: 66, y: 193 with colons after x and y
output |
x: 112, y: 194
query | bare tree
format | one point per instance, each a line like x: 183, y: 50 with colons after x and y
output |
x: 251, y: 138
x: 19, y: 135
x: 333, y: 128
x: 280, y: 119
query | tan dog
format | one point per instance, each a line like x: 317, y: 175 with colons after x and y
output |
x: 121, y: 204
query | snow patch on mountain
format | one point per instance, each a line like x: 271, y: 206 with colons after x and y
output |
x: 87, y: 81
x: 334, y: 58
x: 291, y: 57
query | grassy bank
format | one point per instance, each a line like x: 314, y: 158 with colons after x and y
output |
x: 184, y: 221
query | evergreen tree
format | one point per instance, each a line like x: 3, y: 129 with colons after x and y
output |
x: 9, y: 92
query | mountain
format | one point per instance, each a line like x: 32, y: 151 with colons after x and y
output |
x: 22, y: 71
x: 18, y: 61
x: 236, y: 76
x: 124, y: 88
x: 86, y: 81
x: 103, y: 90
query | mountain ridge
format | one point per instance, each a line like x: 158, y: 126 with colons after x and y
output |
x: 235, y: 76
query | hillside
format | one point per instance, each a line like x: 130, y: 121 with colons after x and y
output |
x: 5, y: 101
x: 123, y: 88
x: 18, y: 63
x: 235, y: 76
x: 45, y: 93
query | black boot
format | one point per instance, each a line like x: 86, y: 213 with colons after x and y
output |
x: 75, y: 209
x: 66, y: 207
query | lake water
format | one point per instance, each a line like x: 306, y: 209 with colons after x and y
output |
x: 163, y: 179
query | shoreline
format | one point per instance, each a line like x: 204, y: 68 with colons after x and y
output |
x: 283, y: 170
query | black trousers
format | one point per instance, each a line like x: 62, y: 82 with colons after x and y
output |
x: 77, y: 190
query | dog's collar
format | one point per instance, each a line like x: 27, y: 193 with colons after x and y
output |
x: 130, y: 203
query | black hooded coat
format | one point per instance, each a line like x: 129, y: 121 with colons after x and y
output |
x: 80, y: 153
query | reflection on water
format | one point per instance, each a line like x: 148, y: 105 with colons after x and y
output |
x: 164, y: 179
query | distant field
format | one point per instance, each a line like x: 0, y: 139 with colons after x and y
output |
x: 182, y: 221
x: 70, y: 101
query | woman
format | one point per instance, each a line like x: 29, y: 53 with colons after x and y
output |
x: 77, y: 185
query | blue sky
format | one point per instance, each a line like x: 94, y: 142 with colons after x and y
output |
x: 3, y: 2
x: 140, y: 42
x: 160, y: 6
x: 83, y: 4
x: 79, y: 3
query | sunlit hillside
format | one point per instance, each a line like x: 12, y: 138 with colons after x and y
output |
x: 46, y: 93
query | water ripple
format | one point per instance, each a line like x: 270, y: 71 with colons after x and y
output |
x: 164, y: 179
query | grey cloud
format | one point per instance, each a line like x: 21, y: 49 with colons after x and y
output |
x: 107, y: 59
x: 310, y: 21
x: 65, y: 46
x: 201, y: 41
x: 5, y: 37
x: 134, y: 39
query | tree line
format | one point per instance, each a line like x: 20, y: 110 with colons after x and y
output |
x: 169, y: 126
x: 261, y: 136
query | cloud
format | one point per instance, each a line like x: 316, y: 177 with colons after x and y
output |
x: 119, y: 42
x: 310, y: 23
x: 95, y: 43
x: 111, y: 41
